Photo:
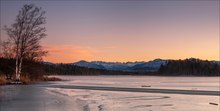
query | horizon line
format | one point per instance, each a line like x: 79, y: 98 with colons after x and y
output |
x: 127, y: 61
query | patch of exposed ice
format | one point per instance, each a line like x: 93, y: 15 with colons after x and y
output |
x: 130, y: 101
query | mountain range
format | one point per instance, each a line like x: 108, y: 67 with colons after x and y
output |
x: 143, y: 66
x: 149, y: 66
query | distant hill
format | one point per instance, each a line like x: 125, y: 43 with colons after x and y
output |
x: 149, y: 66
x: 86, y: 64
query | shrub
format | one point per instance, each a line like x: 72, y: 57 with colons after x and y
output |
x: 3, y: 80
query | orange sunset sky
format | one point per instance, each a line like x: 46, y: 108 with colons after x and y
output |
x: 125, y: 30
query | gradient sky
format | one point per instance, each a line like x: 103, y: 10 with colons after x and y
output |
x: 125, y: 30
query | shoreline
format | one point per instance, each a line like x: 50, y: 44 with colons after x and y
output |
x: 26, y: 81
x: 140, y: 75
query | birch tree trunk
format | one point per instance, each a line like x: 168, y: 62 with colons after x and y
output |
x: 16, y: 69
x: 20, y: 68
x: 17, y: 64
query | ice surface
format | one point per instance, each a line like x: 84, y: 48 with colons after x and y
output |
x: 188, y: 83
x: 46, y: 97
x: 129, y: 101
x: 36, y: 98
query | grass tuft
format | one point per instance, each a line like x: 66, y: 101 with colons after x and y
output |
x: 3, y: 80
x: 46, y: 78
x: 26, y: 79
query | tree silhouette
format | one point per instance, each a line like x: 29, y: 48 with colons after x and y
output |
x: 25, y: 35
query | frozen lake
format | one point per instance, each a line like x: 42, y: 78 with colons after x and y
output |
x: 50, y: 97
x: 190, y: 83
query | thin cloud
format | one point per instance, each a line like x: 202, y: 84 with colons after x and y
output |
x: 69, y: 53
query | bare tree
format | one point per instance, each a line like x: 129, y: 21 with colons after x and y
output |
x: 7, y: 50
x: 26, y: 33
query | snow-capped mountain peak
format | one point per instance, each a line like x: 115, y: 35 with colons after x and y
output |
x: 123, y: 66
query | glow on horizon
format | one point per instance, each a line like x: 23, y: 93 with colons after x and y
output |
x: 69, y: 54
x: 126, y: 31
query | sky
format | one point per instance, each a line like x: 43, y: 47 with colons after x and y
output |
x: 125, y: 30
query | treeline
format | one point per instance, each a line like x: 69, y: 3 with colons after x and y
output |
x: 36, y: 69
x: 195, y: 67
x: 70, y: 69
x: 31, y: 69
